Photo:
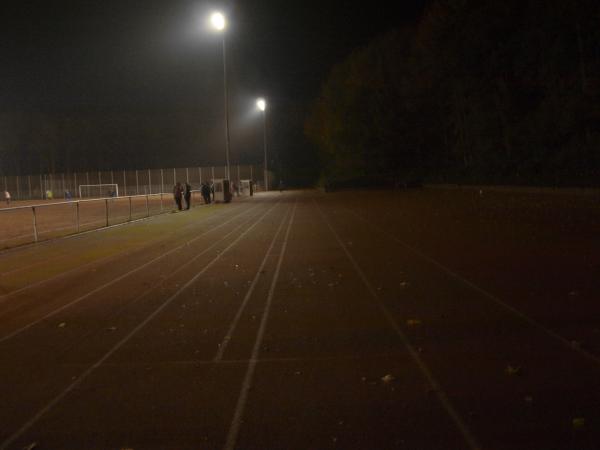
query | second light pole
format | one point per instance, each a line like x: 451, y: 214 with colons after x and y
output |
x: 261, y: 104
x: 219, y: 23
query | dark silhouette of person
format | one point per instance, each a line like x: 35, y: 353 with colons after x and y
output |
x: 187, y: 195
x: 177, y: 194
x: 205, y: 192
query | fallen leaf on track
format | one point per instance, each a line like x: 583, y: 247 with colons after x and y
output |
x: 388, y: 378
x: 512, y: 370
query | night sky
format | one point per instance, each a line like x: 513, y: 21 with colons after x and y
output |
x: 159, y: 57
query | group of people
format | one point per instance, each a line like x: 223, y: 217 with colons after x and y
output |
x: 182, y: 192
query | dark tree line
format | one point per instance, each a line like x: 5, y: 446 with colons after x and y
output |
x: 478, y: 91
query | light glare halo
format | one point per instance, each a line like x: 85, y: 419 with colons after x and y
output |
x: 261, y: 104
x: 217, y: 20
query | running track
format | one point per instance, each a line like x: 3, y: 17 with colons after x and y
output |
x: 287, y: 321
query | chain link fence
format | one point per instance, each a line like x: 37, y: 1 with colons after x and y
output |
x: 130, y: 182
x: 36, y: 217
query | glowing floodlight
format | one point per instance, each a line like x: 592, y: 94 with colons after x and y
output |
x: 261, y: 104
x: 217, y: 20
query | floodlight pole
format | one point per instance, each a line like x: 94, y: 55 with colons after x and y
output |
x: 265, y: 149
x: 226, y: 108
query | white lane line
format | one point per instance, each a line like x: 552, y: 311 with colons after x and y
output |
x: 6, y: 296
x: 236, y: 421
x: 52, y: 403
x: 436, y: 387
x: 534, y: 323
x: 223, y: 345
x: 125, y: 275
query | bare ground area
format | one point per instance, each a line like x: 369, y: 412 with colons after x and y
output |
x: 426, y: 319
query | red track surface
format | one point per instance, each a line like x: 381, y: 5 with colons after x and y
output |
x: 418, y: 320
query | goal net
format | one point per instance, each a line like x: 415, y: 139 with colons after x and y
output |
x: 98, y: 190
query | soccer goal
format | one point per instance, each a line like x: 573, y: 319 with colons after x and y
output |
x: 98, y: 190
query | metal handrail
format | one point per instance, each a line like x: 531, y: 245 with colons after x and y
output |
x: 69, y: 202
x: 105, y: 200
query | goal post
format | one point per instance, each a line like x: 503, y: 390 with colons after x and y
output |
x: 98, y: 190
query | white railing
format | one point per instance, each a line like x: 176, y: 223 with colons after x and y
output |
x: 33, y: 223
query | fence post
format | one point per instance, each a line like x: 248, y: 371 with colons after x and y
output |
x: 35, y: 233
x: 18, y: 189
x: 106, y: 209
x: 29, y: 185
x: 161, y: 202
x: 149, y: 182
x: 112, y: 177
x: 124, y: 184
x: 212, y: 173
x: 41, y: 188
x: 200, y: 175
x: 75, y: 187
x: 78, y: 219
x: 251, y: 171
x: 137, y: 184
x: 162, y: 183
x: 130, y: 208
x: 187, y: 175
x: 99, y: 177
x: 147, y: 207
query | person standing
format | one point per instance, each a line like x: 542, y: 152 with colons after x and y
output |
x: 177, y: 194
x: 187, y: 195
x: 205, y: 189
x: 7, y: 197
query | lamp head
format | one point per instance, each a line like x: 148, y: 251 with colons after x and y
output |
x: 217, y: 20
x: 261, y: 104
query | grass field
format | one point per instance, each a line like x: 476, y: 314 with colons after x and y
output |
x: 425, y: 319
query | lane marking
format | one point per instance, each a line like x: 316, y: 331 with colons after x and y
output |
x: 52, y: 403
x: 236, y: 421
x: 225, y: 342
x: 6, y: 296
x: 534, y: 323
x: 125, y: 275
x: 436, y: 387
